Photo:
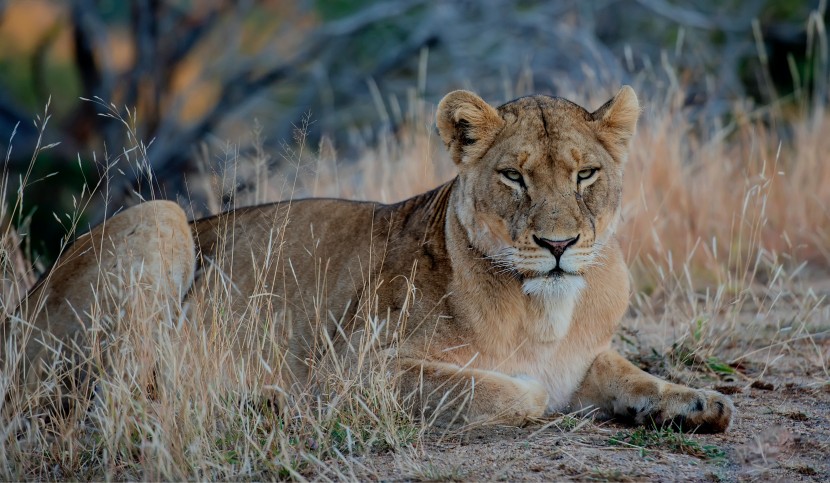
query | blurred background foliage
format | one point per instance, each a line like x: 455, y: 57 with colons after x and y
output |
x: 196, y: 75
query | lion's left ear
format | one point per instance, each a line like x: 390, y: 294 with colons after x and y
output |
x: 467, y: 124
x: 616, y: 122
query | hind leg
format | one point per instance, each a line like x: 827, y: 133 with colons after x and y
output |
x: 145, y: 251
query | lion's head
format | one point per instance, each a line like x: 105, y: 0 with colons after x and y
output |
x: 540, y: 180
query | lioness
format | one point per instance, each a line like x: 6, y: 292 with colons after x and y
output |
x: 510, y: 275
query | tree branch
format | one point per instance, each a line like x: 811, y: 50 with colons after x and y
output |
x: 90, y: 36
x: 165, y: 154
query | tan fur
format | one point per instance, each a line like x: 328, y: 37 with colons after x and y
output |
x: 145, y: 249
x: 464, y: 277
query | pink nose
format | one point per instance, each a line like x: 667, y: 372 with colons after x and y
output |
x: 556, y: 247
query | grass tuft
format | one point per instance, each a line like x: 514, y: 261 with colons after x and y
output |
x: 666, y: 439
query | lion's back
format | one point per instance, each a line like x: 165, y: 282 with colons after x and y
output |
x: 295, y: 244
x: 314, y: 261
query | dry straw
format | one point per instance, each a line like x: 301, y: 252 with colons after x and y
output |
x: 717, y: 228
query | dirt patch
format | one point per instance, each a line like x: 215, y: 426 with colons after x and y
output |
x: 781, y: 433
x: 778, y: 435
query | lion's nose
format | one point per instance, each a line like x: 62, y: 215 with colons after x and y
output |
x: 556, y: 247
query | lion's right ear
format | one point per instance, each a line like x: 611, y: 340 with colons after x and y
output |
x: 467, y: 124
x: 616, y: 122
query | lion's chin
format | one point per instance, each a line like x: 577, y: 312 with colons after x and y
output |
x: 557, y: 283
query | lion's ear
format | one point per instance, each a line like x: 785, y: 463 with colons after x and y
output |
x: 467, y: 125
x: 616, y: 122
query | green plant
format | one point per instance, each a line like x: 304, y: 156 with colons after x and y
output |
x: 666, y: 439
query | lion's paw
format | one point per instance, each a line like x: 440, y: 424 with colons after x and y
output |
x: 526, y: 400
x: 534, y: 398
x: 698, y: 410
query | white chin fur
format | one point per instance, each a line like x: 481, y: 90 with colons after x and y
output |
x: 565, y: 285
x: 558, y: 296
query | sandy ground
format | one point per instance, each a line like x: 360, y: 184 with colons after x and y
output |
x: 781, y: 433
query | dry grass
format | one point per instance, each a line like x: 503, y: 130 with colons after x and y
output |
x: 720, y: 233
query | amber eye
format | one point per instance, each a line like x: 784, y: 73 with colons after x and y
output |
x: 513, y: 176
x: 584, y: 174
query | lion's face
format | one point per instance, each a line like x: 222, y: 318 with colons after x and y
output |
x: 541, y: 180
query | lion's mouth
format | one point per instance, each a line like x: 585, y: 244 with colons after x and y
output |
x: 556, y: 283
x: 556, y: 273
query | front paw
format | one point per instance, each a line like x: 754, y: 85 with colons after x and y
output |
x: 702, y: 411
x: 522, y: 401
x: 534, y: 398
